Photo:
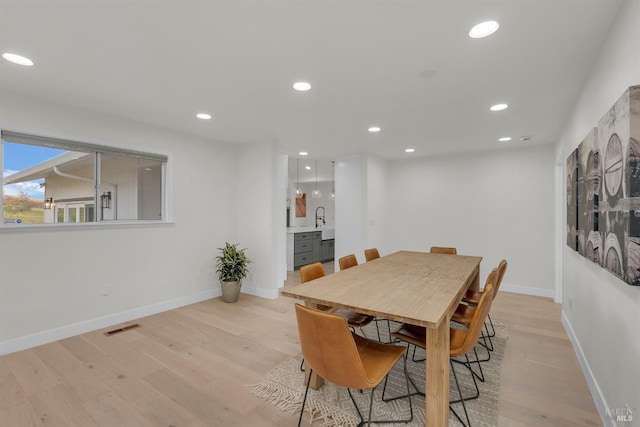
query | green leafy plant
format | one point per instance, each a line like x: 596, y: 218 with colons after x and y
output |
x: 232, y: 265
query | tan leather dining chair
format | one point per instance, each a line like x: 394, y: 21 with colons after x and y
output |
x: 474, y: 296
x: 310, y: 272
x: 371, y: 254
x: 356, y: 320
x: 347, y: 261
x: 344, y: 358
x: 314, y: 271
x: 464, y: 311
x: 443, y: 250
x: 461, y: 342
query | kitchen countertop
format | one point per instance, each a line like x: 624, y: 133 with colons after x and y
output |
x: 328, y: 231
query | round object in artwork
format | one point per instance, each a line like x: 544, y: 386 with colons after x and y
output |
x: 613, y: 163
x: 594, y: 247
x: 613, y: 255
x: 633, y: 168
x: 633, y: 263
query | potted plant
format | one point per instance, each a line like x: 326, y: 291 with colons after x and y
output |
x: 232, y: 265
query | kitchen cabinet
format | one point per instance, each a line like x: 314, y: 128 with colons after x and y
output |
x: 306, y: 245
x: 328, y: 250
x: 307, y: 248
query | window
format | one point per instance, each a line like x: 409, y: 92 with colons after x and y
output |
x: 48, y: 180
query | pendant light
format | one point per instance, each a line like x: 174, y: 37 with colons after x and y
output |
x: 316, y: 194
x: 298, y: 190
x: 332, y: 196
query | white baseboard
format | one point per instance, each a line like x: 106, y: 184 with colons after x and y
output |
x: 528, y: 290
x: 596, y: 393
x: 260, y: 292
x: 40, y: 338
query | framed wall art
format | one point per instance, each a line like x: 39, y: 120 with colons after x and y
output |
x: 603, y: 191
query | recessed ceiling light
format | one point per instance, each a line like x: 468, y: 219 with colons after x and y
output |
x: 505, y: 139
x: 409, y: 150
x: 17, y: 59
x: 308, y: 167
x: 499, y: 107
x: 301, y: 86
x: 203, y: 116
x: 303, y: 153
x: 483, y: 29
x: 374, y: 129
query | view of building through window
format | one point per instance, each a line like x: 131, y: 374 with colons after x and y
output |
x: 23, y: 198
x: 45, y: 183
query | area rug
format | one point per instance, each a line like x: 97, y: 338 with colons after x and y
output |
x: 331, y: 406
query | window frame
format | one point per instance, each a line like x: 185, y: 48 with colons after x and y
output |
x: 96, y: 150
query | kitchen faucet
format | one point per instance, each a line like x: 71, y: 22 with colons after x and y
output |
x: 320, y: 217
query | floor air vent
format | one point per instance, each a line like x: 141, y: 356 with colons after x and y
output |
x: 122, y: 329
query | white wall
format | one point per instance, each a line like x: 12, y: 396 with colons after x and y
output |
x: 495, y: 204
x: 256, y: 209
x: 281, y: 217
x: 361, y: 205
x: 350, y: 206
x: 377, y: 205
x: 51, y: 280
x: 601, y: 312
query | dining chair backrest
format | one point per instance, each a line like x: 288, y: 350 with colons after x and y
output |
x: 443, y: 250
x: 329, y: 348
x: 502, y: 268
x: 371, y: 254
x: 348, y: 261
x: 477, y: 321
x: 310, y: 272
x: 492, y: 279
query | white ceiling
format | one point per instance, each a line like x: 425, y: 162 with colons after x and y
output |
x: 407, y: 66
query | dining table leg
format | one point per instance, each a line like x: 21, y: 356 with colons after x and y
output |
x: 437, y: 375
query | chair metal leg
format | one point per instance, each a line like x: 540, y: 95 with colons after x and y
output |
x: 409, y: 380
x: 363, y: 334
x: 486, y: 337
x: 408, y: 395
x: 488, y: 348
x: 493, y: 329
x: 377, y: 329
x: 389, y: 330
x: 484, y: 340
x: 479, y: 376
x: 413, y: 357
x: 390, y: 341
x: 406, y: 379
x: 461, y: 400
x: 370, y: 407
x: 305, y: 397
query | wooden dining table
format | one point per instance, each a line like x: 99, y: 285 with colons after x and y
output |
x: 418, y: 288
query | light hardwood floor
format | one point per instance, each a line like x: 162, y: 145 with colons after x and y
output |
x: 189, y: 367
